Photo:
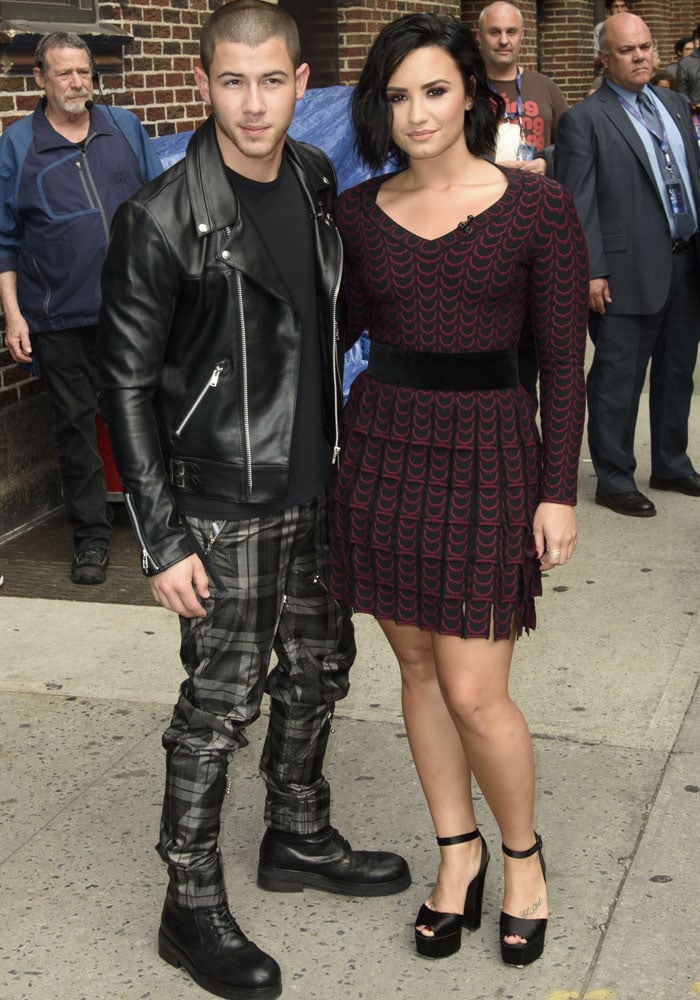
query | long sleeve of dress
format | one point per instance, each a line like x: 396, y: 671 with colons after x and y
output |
x: 559, y: 311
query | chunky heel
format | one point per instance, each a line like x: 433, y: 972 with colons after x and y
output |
x: 446, y: 938
x: 532, y: 931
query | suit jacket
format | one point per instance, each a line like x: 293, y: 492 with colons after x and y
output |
x: 601, y: 159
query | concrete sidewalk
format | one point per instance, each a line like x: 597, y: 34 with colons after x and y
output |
x: 608, y: 684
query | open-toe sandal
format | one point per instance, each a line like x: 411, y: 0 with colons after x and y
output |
x: 531, y: 931
x: 446, y: 928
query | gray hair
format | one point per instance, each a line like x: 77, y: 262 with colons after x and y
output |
x: 59, y: 40
x: 488, y: 7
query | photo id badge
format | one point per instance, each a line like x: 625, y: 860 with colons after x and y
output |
x: 524, y: 152
x: 675, y: 196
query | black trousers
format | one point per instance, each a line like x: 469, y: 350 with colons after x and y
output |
x: 624, y: 346
x: 68, y: 366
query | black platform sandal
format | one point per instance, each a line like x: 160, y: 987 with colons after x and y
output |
x: 532, y: 931
x: 447, y: 927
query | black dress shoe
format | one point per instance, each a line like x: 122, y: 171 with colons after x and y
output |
x: 90, y: 565
x: 690, y: 485
x: 632, y: 502
x: 290, y: 862
x: 210, y: 945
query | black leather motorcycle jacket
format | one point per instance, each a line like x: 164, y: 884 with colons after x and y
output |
x: 199, y: 343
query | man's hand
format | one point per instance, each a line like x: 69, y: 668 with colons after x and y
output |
x: 16, y: 330
x: 598, y: 295
x: 180, y: 587
x: 17, y: 338
x: 538, y: 166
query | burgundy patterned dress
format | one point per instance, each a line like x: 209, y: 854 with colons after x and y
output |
x: 432, y: 506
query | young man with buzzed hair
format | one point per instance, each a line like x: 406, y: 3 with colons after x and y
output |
x: 221, y: 386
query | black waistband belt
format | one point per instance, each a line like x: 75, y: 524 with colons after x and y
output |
x: 446, y: 372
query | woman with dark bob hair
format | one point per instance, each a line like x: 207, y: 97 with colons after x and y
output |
x: 447, y: 503
x: 374, y: 142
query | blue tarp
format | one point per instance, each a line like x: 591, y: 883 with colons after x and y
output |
x: 322, y: 117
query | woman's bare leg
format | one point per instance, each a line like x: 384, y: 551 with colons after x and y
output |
x: 473, y: 676
x: 440, y: 761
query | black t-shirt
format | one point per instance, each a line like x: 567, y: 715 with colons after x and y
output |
x: 282, y: 217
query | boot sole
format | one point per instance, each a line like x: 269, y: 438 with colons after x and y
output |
x: 171, y: 954
x: 282, y: 880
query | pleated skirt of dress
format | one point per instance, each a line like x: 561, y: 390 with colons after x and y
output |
x: 432, y: 507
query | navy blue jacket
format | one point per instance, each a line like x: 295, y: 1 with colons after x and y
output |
x: 56, y: 206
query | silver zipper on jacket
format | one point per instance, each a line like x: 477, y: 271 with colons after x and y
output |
x: 337, y: 381
x: 42, y: 279
x: 146, y: 558
x: 90, y: 186
x: 212, y: 383
x: 244, y: 379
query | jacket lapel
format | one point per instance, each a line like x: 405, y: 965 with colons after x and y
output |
x: 215, y: 208
x: 618, y: 116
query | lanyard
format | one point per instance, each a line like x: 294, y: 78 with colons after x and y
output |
x: 684, y: 224
x: 510, y: 115
x: 661, y: 137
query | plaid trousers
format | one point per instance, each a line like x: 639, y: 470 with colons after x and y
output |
x: 268, y: 595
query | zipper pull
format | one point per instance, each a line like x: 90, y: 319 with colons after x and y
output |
x: 336, y: 454
x: 215, y: 376
x: 144, y: 560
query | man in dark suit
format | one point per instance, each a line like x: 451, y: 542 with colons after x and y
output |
x: 629, y: 155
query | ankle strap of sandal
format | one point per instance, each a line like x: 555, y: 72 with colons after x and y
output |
x: 462, y: 838
x: 537, y: 846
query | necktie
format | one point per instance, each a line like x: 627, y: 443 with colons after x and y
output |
x: 683, y: 220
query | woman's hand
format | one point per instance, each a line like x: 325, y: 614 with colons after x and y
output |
x: 554, y: 528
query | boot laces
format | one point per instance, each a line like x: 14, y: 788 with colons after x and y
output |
x: 339, y: 839
x: 223, y: 921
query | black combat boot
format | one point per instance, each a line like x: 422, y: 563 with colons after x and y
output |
x: 210, y: 945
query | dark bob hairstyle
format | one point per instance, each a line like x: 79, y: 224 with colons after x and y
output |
x: 371, y: 112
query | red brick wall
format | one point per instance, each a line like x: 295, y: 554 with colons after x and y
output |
x: 157, y: 81
x: 359, y: 24
x: 565, y: 39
